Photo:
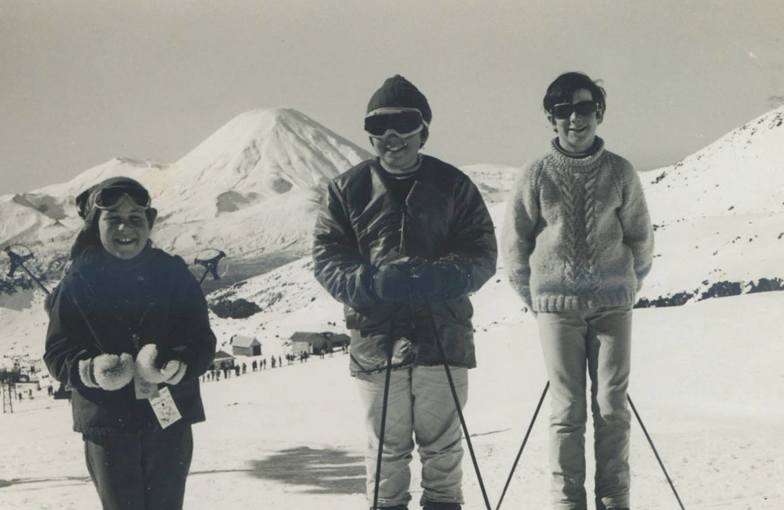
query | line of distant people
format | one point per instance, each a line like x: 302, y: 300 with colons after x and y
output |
x: 215, y: 374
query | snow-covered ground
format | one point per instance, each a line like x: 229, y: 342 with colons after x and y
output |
x: 707, y: 380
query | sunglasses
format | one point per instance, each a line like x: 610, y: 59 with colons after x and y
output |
x: 107, y: 198
x: 403, y: 123
x: 565, y: 110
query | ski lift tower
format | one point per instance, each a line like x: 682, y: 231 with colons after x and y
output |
x: 8, y: 380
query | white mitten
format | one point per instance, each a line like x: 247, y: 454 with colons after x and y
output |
x: 107, y: 371
x: 145, y: 364
x: 171, y: 372
x: 174, y: 371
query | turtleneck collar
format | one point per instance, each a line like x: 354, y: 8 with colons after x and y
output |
x: 575, y: 160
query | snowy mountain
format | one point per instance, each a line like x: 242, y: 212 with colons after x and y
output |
x: 711, y: 248
x: 249, y: 189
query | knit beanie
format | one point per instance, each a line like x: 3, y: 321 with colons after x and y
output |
x: 399, y: 92
x: 85, y: 203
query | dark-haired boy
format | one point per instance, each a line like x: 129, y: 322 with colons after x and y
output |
x: 578, y: 243
x: 402, y: 240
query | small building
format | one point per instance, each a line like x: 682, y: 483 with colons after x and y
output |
x: 222, y: 360
x: 317, y: 343
x: 245, y: 346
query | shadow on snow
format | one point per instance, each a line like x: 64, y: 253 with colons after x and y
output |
x: 327, y: 471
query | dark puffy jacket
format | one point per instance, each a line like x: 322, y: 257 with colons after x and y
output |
x: 152, y: 298
x: 361, y: 227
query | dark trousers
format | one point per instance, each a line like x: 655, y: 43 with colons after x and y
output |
x: 140, y: 471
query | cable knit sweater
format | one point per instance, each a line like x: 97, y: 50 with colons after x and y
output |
x: 577, y: 234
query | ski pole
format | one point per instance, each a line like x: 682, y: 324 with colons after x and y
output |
x: 656, y: 453
x: 463, y: 424
x: 19, y: 261
x: 387, y: 377
x: 522, y: 446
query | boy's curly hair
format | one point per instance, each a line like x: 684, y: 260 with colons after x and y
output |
x: 563, y: 87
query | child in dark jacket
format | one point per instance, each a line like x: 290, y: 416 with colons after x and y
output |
x: 578, y: 244
x: 402, y: 240
x: 129, y: 334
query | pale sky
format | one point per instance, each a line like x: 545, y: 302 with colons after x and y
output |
x: 84, y: 81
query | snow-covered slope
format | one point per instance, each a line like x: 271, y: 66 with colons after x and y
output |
x: 719, y: 213
x: 494, y: 181
x: 46, y: 217
x: 706, y: 381
x: 742, y: 173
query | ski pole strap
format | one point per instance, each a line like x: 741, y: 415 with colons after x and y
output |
x: 656, y: 453
x: 522, y: 446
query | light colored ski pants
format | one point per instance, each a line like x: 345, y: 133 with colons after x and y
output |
x: 600, y: 339
x: 420, y: 407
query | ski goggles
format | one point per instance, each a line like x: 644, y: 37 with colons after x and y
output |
x: 108, y: 198
x: 565, y: 110
x: 403, y: 122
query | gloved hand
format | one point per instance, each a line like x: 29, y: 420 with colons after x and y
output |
x: 107, y: 371
x: 438, y: 280
x: 170, y: 372
x: 392, y: 281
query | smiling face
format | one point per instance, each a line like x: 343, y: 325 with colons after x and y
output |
x: 395, y: 152
x: 577, y: 133
x: 124, y: 229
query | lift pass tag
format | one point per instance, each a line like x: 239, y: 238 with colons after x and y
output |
x: 144, y: 389
x: 164, y: 408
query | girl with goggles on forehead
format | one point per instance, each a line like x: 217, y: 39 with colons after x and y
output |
x: 402, y: 240
x: 129, y: 334
x: 579, y: 243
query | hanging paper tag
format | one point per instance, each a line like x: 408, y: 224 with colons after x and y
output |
x: 144, y: 389
x: 165, y: 408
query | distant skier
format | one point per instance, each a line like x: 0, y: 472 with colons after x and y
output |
x: 402, y: 240
x: 578, y: 244
x: 129, y: 333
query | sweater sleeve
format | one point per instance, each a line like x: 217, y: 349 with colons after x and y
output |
x: 636, y: 223
x: 519, y: 232
x: 337, y: 263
